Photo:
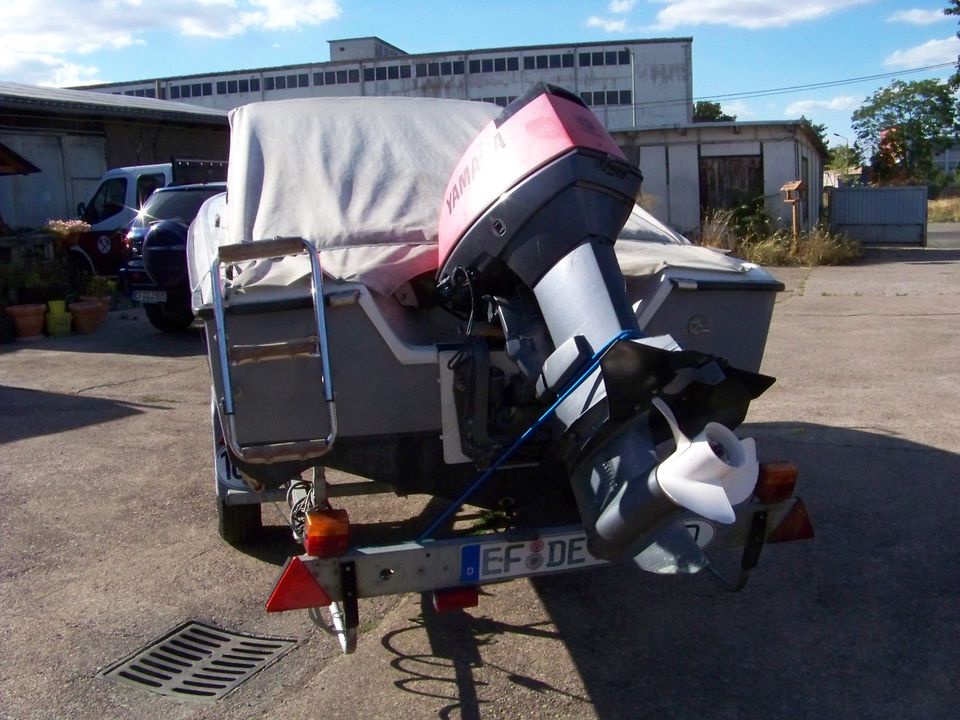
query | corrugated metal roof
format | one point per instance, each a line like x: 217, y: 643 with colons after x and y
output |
x: 17, y: 95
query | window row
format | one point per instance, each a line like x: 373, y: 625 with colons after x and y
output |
x: 597, y: 59
x: 395, y: 72
x: 283, y: 82
x: 607, y: 97
x: 225, y: 87
x: 390, y: 72
x: 190, y: 90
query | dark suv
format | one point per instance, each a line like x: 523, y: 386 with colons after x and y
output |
x: 156, y: 275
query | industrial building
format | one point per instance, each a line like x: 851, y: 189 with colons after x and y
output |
x: 66, y: 139
x: 628, y: 84
x: 641, y: 89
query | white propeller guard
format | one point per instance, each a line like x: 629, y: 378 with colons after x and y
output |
x: 710, y: 473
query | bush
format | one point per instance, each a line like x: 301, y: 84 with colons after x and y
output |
x: 944, y: 210
x: 814, y: 247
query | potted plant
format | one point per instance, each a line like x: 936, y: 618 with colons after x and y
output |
x: 86, y: 315
x: 25, y: 293
x: 27, y: 320
x: 100, y: 290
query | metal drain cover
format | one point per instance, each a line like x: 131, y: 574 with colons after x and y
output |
x: 198, y: 662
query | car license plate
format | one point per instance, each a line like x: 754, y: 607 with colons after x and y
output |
x: 150, y: 296
x: 486, y: 562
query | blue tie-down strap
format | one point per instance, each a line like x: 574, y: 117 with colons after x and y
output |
x: 453, y: 508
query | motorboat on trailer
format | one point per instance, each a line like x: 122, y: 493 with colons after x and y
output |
x: 545, y: 346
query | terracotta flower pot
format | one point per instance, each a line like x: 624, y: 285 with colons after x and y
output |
x: 104, y: 303
x: 86, y: 316
x: 27, y: 320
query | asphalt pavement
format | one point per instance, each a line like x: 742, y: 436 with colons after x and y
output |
x: 108, y: 541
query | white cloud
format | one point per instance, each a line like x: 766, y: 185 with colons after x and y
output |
x: 844, y: 103
x: 738, y: 109
x: 610, y: 26
x: 41, y: 39
x: 918, y: 17
x: 931, y: 52
x: 621, y: 6
x: 749, y: 14
x: 288, y: 14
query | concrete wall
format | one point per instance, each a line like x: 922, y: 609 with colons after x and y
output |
x: 71, y: 164
x: 669, y: 158
x: 144, y: 144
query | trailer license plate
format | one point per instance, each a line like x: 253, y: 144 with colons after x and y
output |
x: 484, y: 562
x: 150, y: 296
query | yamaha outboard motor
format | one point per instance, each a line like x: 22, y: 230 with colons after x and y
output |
x: 527, y: 231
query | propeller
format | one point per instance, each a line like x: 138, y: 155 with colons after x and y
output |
x: 710, y: 473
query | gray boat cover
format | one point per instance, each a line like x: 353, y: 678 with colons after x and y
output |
x: 363, y: 178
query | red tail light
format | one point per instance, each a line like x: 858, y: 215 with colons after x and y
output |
x: 297, y: 589
x: 455, y: 599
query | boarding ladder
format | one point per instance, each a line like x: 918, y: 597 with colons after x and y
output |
x: 230, y: 355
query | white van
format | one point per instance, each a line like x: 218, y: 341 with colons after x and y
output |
x: 115, y: 203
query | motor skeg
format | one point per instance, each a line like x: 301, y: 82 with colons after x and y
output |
x: 537, y: 181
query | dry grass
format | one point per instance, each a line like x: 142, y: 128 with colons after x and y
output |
x: 943, y: 210
x: 815, y: 247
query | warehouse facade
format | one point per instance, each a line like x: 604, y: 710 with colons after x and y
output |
x: 629, y: 84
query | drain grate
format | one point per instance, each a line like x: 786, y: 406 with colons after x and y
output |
x: 198, y: 662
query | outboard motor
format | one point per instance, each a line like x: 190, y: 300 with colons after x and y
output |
x: 526, y: 238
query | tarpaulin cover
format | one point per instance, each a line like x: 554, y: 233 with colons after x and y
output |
x: 362, y: 178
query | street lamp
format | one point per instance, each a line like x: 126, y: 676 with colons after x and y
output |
x: 846, y: 152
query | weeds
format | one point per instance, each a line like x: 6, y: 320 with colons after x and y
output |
x: 721, y: 230
x: 943, y: 210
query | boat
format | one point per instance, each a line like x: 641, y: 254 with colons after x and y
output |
x: 455, y: 299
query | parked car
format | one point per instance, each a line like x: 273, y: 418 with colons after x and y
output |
x: 114, y: 204
x: 156, y: 275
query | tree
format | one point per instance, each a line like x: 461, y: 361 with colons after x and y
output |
x: 843, y: 157
x: 818, y: 129
x: 953, y: 8
x: 706, y: 111
x: 902, y: 126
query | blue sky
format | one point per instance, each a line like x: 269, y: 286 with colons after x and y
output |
x: 739, y: 46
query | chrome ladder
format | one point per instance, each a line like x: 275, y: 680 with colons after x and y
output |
x: 312, y: 346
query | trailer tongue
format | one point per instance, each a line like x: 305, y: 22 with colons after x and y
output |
x: 520, y: 363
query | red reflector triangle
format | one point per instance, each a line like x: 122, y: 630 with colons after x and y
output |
x: 795, y: 525
x: 297, y: 589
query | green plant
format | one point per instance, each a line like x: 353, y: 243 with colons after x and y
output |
x: 944, y: 210
x: 100, y: 286
x: 815, y: 247
x: 719, y: 230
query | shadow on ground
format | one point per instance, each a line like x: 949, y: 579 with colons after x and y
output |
x: 860, y: 622
x: 32, y: 413
x: 127, y: 335
x: 910, y: 255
